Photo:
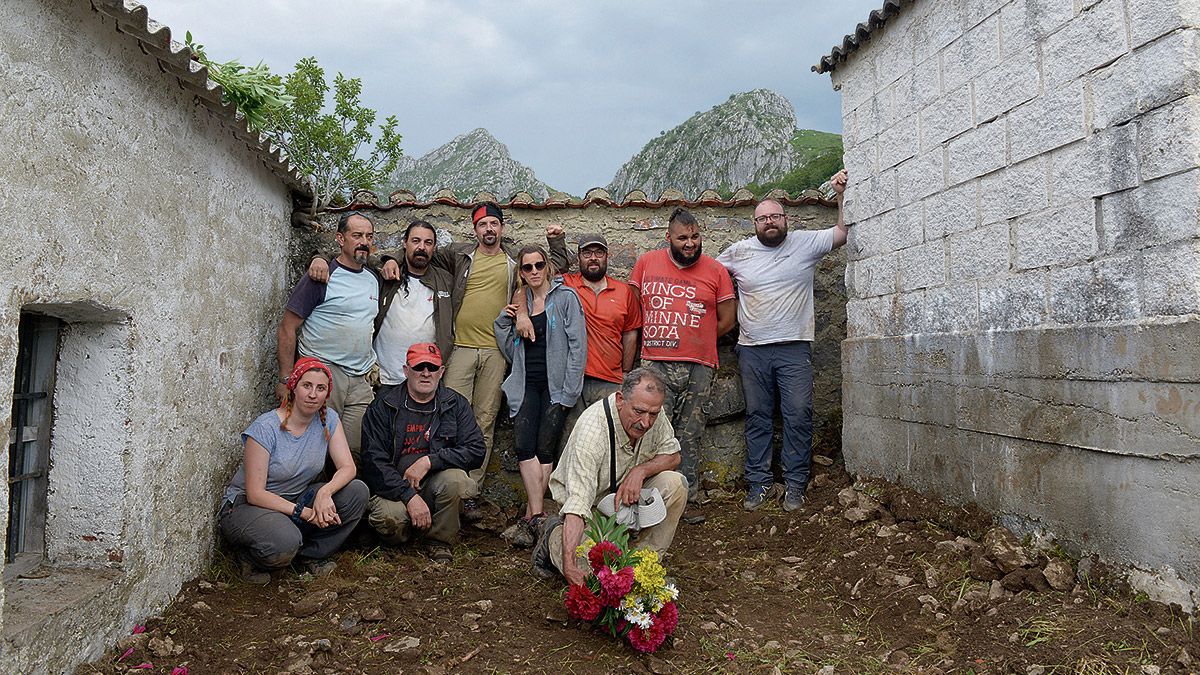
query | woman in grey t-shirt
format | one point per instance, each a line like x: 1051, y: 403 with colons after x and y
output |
x: 276, y: 510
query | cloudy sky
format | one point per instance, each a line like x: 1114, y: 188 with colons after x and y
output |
x: 574, y: 89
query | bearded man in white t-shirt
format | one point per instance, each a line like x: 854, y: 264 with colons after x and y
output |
x: 774, y: 275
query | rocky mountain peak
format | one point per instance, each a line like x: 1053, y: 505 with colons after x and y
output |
x: 469, y: 164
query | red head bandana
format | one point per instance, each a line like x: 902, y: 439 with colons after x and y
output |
x: 484, y: 210
x: 303, y: 366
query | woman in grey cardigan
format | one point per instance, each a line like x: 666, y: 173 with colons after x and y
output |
x: 546, y: 377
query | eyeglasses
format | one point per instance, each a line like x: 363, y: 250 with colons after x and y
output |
x: 529, y: 267
x: 593, y: 253
x: 425, y: 367
x: 769, y: 218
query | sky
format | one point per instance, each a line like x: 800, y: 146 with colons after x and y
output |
x: 574, y: 89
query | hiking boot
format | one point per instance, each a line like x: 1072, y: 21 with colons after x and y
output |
x: 540, y: 560
x: 756, y: 496
x: 472, y: 511
x: 251, y: 574
x: 526, y: 534
x: 441, y: 553
x: 318, y: 567
x: 694, y: 516
x: 793, y: 498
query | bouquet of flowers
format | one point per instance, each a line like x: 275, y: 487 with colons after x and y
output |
x: 627, y: 592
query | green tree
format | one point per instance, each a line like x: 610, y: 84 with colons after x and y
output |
x: 255, y: 91
x: 328, y: 147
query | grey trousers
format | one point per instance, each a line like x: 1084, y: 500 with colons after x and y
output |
x: 271, y: 540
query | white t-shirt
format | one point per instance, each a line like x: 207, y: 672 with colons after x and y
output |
x: 775, y: 285
x: 409, y: 320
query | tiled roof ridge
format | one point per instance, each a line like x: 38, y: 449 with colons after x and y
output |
x: 366, y: 199
x: 862, y: 33
x: 176, y: 59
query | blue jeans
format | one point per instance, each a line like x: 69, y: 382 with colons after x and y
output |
x: 786, y: 368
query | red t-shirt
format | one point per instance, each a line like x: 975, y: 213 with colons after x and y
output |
x: 607, y: 315
x: 679, y: 306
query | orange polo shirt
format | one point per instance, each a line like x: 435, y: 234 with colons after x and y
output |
x: 607, y: 315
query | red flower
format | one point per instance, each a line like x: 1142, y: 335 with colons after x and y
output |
x: 614, y: 586
x: 647, y: 640
x: 582, y: 603
x: 602, y: 554
x: 668, y: 616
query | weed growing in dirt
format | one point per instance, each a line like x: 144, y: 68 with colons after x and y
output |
x: 1037, y: 631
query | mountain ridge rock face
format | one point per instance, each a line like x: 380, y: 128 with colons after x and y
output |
x: 469, y: 164
x: 750, y: 138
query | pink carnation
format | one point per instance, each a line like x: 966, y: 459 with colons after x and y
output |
x: 649, y: 639
x: 668, y: 616
x: 614, y: 586
x: 602, y: 554
x: 582, y: 603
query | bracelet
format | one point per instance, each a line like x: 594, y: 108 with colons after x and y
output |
x: 296, y: 514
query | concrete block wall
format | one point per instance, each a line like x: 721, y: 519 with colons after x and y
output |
x: 135, y: 216
x: 631, y: 231
x: 1024, y: 272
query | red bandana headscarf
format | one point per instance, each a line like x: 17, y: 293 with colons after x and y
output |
x: 303, y: 366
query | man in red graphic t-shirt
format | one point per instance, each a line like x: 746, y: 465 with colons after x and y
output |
x: 687, y: 302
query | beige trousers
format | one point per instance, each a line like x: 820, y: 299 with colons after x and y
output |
x: 442, y: 491
x: 349, y: 398
x: 673, y: 488
x: 477, y: 374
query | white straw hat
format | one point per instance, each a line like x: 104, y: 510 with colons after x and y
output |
x: 648, y: 512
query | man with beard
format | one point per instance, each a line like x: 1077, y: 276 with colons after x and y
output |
x: 774, y: 272
x: 612, y: 315
x: 687, y: 302
x: 335, y: 322
x: 415, y: 308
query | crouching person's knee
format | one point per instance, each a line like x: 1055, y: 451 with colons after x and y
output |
x: 276, y: 550
x: 672, y: 485
x: 389, y: 519
x: 454, y: 483
x: 351, y: 500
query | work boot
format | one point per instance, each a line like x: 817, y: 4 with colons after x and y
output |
x: 441, y: 553
x: 472, y: 511
x: 756, y: 496
x: 540, y: 561
x: 318, y: 567
x: 251, y: 573
x: 527, y: 531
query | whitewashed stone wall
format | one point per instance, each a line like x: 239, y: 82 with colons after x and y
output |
x: 133, y: 214
x: 1024, y: 274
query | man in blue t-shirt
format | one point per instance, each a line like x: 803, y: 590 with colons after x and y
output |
x: 335, y: 323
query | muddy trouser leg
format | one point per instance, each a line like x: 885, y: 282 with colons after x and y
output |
x: 268, y: 538
x: 390, y: 520
x: 758, y: 384
x: 794, y: 365
x: 350, y: 502
x: 593, y: 390
x: 687, y: 395
x: 350, y: 398
x: 443, y: 493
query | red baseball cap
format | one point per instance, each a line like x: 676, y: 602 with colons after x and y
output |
x: 424, y: 352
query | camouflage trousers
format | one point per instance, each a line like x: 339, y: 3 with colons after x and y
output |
x: 686, y: 405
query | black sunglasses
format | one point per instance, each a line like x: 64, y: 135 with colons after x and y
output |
x: 425, y: 366
x: 529, y: 267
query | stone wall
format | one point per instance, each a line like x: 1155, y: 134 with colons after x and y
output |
x: 137, y: 217
x: 1024, y: 275
x: 632, y: 230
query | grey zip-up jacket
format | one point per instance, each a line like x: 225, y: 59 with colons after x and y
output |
x: 566, y: 348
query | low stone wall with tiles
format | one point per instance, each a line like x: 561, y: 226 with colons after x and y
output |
x: 1024, y: 275
x: 631, y: 231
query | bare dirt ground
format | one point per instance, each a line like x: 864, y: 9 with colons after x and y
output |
x: 863, y: 580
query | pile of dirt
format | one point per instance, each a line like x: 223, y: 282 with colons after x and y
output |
x: 867, y: 577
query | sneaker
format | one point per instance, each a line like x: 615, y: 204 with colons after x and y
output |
x: 757, y: 496
x: 318, y: 567
x: 441, y: 553
x: 793, y: 499
x: 472, y: 511
x: 251, y: 574
x: 540, y: 561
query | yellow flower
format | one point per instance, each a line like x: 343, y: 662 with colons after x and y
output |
x: 582, y: 549
x: 649, y: 576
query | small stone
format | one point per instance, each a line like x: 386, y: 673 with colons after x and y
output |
x: 349, y: 622
x: 470, y: 619
x: 403, y: 644
x: 996, y: 591
x: 1183, y: 658
x: 856, y: 515
x: 1034, y: 580
x: 791, y: 559
x: 205, y: 586
x: 557, y: 614
x: 708, y: 626
x: 822, y: 460
x: 847, y: 496
x: 826, y: 670
x: 967, y: 543
x: 819, y: 481
x: 1002, y: 548
x: 201, y: 606
x: 982, y: 568
x: 1035, y: 670
x: 949, y: 546
x: 137, y: 642
x: 313, y: 603
x: 771, y: 532
x: 1014, y: 581
x: 993, y: 611
x: 902, y: 580
x: 1059, y: 575
x: 408, y: 595
x: 771, y: 645
x: 484, y: 605
x: 931, y: 579
x: 898, y: 658
x: 374, y: 614
x: 1151, y: 670
x: 886, y: 531
x: 322, y: 645
x: 372, y: 580
x: 162, y: 647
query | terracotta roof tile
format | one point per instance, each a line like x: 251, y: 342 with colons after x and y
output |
x: 862, y: 33
x: 365, y: 199
x: 175, y: 59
